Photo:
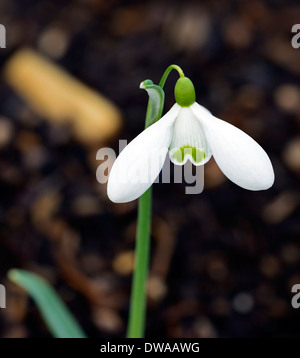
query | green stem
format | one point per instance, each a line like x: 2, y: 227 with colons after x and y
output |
x: 137, y: 310
x: 137, y: 313
x: 167, y: 72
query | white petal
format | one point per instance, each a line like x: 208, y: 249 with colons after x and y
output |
x: 139, y: 164
x: 188, y: 140
x: 239, y: 157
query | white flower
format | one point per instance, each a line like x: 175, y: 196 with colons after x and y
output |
x: 188, y: 132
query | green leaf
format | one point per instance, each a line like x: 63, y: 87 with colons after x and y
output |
x: 155, y: 103
x: 56, y: 314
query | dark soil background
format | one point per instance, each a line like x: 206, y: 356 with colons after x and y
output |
x: 223, y: 262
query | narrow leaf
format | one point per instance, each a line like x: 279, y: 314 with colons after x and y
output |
x: 55, y: 313
x: 156, y: 102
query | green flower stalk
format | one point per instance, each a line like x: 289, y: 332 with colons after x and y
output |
x: 137, y: 311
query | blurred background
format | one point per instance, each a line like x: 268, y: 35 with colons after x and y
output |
x: 223, y: 262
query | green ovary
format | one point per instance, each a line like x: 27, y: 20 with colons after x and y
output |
x: 197, y: 154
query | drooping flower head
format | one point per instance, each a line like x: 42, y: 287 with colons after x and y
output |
x: 188, y: 131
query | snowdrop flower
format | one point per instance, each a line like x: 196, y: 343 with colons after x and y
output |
x: 188, y: 131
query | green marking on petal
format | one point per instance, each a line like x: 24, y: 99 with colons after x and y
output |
x: 198, y: 155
